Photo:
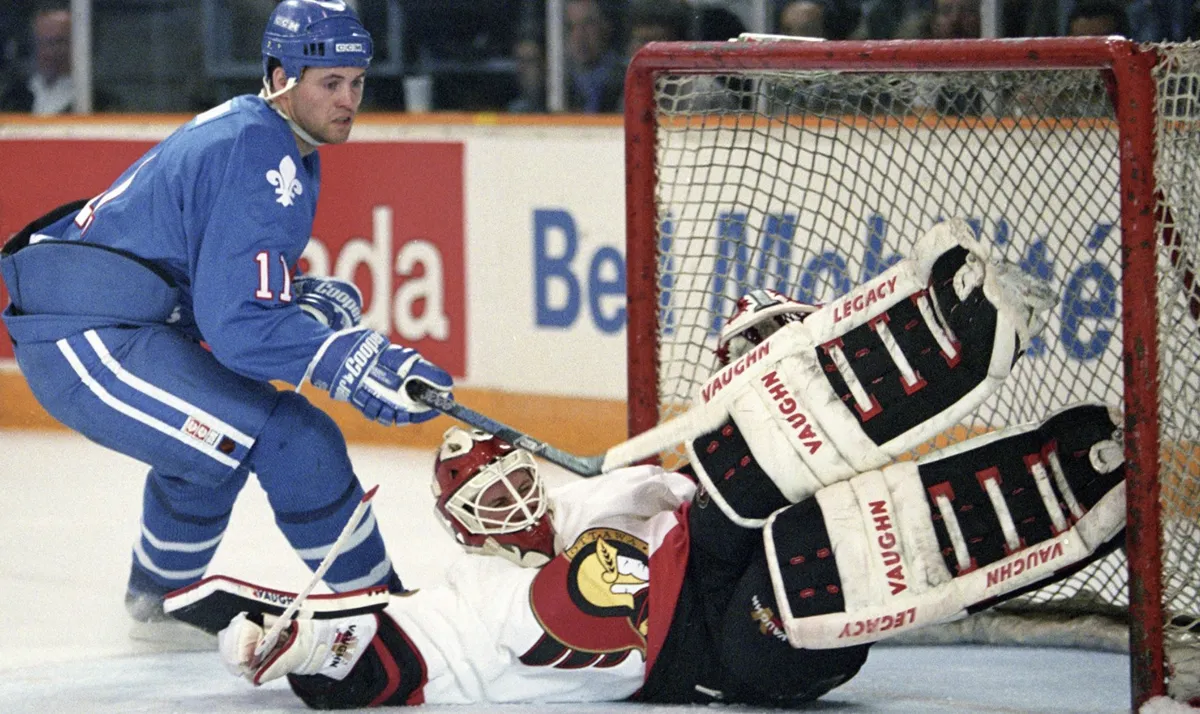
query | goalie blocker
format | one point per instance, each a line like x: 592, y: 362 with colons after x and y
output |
x: 925, y: 542
x: 864, y: 379
x: 341, y: 651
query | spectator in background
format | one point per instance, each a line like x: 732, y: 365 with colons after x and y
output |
x: 1146, y: 20
x: 47, y: 88
x: 1029, y: 18
x: 880, y: 19
x: 531, y: 77
x: 828, y: 19
x: 12, y: 24
x: 717, y: 24
x: 953, y: 19
x: 595, y: 66
x: 657, y: 21
x: 944, y: 20
x: 1098, y: 17
x: 802, y: 18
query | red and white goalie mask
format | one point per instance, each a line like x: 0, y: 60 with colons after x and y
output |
x: 490, y: 496
x: 759, y: 313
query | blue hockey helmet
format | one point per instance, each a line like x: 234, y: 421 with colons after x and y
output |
x: 314, y: 33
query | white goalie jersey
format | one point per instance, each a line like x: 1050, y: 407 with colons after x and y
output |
x: 580, y: 628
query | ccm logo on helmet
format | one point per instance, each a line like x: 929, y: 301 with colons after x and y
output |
x: 349, y: 47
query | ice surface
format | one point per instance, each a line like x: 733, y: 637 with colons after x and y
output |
x: 69, y: 516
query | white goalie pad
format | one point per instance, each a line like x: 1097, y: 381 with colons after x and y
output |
x: 897, y: 535
x: 840, y: 393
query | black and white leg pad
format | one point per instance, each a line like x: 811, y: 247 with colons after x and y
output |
x: 865, y: 378
x: 211, y: 603
x: 918, y: 543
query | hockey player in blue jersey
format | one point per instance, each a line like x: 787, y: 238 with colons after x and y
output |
x: 153, y: 317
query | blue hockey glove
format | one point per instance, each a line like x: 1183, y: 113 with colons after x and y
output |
x: 332, y: 302
x: 363, y: 368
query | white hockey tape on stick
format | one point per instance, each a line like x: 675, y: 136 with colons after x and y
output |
x: 272, y: 635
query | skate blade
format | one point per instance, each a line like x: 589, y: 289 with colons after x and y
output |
x: 171, y: 636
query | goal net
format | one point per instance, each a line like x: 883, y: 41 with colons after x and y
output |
x: 809, y: 168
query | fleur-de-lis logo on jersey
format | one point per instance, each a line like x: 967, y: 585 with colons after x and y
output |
x: 284, y: 180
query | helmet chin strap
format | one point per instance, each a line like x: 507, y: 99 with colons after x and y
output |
x: 270, y: 97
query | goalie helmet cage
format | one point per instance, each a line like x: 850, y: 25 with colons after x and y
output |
x: 808, y: 167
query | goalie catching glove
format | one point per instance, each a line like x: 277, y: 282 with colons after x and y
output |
x: 919, y: 543
x: 362, y: 367
x: 341, y: 652
x: 832, y: 391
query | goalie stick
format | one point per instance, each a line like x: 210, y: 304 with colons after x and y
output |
x: 272, y: 635
x: 642, y: 446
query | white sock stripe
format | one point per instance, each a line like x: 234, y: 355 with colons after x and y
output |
x: 893, y: 349
x: 360, y: 534
x: 377, y: 573
x: 137, y: 415
x: 856, y: 389
x: 1060, y: 478
x: 1046, y: 491
x: 179, y: 546
x: 1000, y: 506
x: 961, y: 555
x: 937, y: 326
x: 161, y: 395
x: 147, y: 564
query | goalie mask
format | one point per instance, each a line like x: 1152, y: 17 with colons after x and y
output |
x: 490, y: 496
x: 759, y: 313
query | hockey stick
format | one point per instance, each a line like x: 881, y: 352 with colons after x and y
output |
x: 642, y: 446
x: 272, y: 636
x: 582, y: 465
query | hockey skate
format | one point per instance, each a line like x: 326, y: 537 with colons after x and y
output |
x: 151, y: 625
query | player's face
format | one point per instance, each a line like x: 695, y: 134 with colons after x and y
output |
x: 325, y: 101
x: 498, y: 502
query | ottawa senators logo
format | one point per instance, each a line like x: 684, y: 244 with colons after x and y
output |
x: 591, y: 601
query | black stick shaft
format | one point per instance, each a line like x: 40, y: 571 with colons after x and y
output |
x: 582, y: 465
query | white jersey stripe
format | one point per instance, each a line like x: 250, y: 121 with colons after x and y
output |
x: 161, y: 395
x: 137, y: 415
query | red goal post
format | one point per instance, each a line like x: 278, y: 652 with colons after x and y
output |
x: 807, y: 167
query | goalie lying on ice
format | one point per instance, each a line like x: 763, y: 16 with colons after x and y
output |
x: 633, y: 585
